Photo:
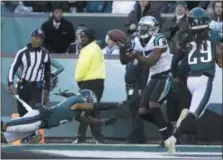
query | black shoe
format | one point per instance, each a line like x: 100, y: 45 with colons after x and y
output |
x: 188, y: 139
x: 79, y: 140
x: 170, y: 129
x: 100, y: 139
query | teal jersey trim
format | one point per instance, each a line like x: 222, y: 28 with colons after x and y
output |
x: 157, y: 38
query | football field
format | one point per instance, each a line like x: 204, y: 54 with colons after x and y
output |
x: 117, y: 151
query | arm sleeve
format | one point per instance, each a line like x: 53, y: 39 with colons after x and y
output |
x: 47, y: 71
x: 14, y: 67
x: 175, y: 60
x: 83, y: 64
x: 58, y: 66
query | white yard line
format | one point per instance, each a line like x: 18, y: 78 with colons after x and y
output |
x: 128, y: 154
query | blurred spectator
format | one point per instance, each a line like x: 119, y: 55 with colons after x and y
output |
x: 161, y: 6
x: 99, y: 6
x: 192, y: 4
x: 15, y: 7
x: 75, y: 47
x: 210, y: 9
x: 4, y: 8
x: 171, y: 7
x: 122, y: 7
x: 216, y: 22
x: 141, y: 9
x: 172, y: 25
x: 77, y: 6
x: 64, y: 5
x: 10, y: 6
x: 39, y: 6
x: 111, y: 48
x: 59, y: 32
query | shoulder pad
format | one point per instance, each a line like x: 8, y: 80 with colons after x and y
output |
x: 160, y: 40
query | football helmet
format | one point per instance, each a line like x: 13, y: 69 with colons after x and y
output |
x: 198, y: 19
x: 148, y: 26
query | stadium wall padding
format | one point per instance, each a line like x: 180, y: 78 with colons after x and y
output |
x: 16, y: 30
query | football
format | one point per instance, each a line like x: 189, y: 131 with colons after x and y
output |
x: 116, y: 35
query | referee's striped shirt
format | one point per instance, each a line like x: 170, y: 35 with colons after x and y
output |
x: 35, y: 65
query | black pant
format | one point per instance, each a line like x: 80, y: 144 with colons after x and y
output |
x: 31, y: 93
x: 97, y: 86
x: 178, y: 100
x: 133, y: 97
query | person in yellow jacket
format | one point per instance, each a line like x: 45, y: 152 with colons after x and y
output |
x: 90, y: 74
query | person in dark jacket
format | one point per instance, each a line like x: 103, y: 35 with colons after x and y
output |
x: 59, y: 32
x: 142, y: 8
x: 174, y: 24
x: 136, y: 77
x: 75, y: 47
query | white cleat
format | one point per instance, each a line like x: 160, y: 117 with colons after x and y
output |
x: 170, y: 144
x: 183, y: 114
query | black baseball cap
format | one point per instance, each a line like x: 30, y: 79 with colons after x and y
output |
x: 90, y: 33
x: 38, y: 32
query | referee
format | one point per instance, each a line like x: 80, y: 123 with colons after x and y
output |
x: 34, y: 63
x: 90, y: 74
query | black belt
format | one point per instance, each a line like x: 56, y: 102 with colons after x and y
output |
x: 30, y: 83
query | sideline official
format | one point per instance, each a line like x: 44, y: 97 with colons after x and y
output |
x: 90, y: 74
x: 34, y: 63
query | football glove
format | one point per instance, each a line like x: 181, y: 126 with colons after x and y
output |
x: 64, y: 93
x: 110, y: 121
x: 53, y: 82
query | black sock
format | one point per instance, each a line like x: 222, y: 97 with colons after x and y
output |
x: 147, y: 117
x: 160, y: 121
x: 185, y: 125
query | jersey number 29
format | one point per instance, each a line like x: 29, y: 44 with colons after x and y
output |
x: 204, y: 58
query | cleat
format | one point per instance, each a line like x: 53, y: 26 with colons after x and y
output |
x: 183, y: 114
x: 170, y: 144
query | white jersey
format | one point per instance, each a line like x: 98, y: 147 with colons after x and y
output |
x: 157, y: 41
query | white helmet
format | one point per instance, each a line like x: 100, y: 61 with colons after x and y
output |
x: 147, y: 27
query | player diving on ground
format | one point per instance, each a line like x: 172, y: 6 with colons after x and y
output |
x: 72, y: 108
x: 202, y: 49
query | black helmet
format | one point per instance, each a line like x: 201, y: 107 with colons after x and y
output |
x: 198, y: 19
x: 89, y: 95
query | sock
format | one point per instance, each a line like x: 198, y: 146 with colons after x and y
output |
x: 147, y: 117
x: 186, y: 125
x: 160, y: 121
